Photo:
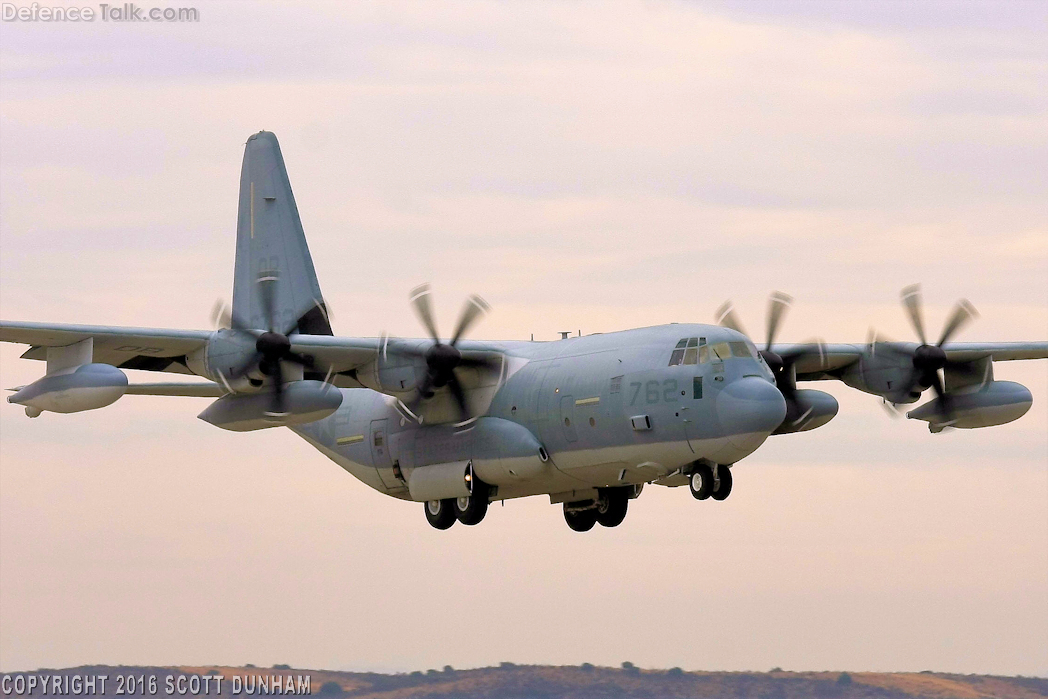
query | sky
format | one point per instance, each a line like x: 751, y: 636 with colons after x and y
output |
x: 582, y: 166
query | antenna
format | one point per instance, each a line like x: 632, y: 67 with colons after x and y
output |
x: 564, y: 334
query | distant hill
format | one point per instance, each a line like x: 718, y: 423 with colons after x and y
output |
x: 510, y: 681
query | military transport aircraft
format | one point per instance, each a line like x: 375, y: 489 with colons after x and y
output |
x: 456, y: 424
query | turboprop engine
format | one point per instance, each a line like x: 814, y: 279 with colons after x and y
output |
x: 301, y: 402
x: 994, y: 403
x: 72, y: 390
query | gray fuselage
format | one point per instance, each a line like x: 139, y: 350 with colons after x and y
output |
x: 608, y: 410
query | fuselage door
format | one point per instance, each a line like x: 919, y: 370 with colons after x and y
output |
x: 380, y: 455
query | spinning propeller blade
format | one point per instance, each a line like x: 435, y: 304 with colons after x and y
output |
x: 963, y: 313
x: 911, y: 301
x: 778, y: 304
x: 929, y: 360
x: 420, y: 302
x: 783, y: 366
x: 442, y: 359
x: 272, y: 346
x: 726, y: 317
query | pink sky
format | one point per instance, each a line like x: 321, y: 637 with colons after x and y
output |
x: 581, y: 166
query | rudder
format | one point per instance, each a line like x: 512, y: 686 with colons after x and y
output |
x: 270, y: 241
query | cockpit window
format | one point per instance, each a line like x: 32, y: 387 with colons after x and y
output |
x: 721, y: 351
x: 692, y: 353
x: 690, y: 350
x: 678, y: 353
x: 741, y: 349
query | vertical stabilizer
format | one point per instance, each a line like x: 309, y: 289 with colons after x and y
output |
x: 270, y: 242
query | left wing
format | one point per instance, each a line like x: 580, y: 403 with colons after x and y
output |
x: 834, y: 357
x: 150, y: 349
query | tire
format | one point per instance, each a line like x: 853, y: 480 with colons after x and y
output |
x: 612, y: 506
x: 440, y: 513
x: 701, y: 482
x: 580, y: 520
x: 471, y: 510
x: 724, y: 487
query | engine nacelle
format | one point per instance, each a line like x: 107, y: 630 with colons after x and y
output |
x: 304, y: 401
x: 814, y: 409
x: 994, y: 403
x: 86, y: 387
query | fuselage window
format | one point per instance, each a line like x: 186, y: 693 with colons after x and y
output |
x: 696, y: 387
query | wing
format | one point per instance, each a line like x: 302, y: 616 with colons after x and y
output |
x: 340, y: 354
x: 998, y: 351
x: 817, y: 360
x: 346, y: 353
x: 811, y: 366
x: 150, y: 349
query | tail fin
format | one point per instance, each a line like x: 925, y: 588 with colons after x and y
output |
x: 270, y: 242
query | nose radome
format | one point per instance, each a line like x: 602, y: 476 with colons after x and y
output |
x: 749, y: 409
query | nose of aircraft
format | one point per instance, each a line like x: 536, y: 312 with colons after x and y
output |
x: 749, y: 409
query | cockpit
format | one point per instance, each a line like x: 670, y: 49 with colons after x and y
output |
x: 694, y: 350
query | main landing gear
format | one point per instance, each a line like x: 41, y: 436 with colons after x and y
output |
x: 608, y: 510
x: 710, y: 482
x: 441, y: 514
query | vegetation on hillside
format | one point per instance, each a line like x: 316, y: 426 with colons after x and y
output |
x: 510, y: 681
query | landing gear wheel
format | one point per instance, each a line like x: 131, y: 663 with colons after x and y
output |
x: 701, y: 482
x: 611, y: 507
x: 440, y: 513
x: 580, y: 520
x: 723, y: 488
x: 471, y: 510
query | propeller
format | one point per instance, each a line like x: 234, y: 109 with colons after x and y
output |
x: 442, y: 359
x: 782, y: 365
x: 272, y: 346
x: 929, y: 359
